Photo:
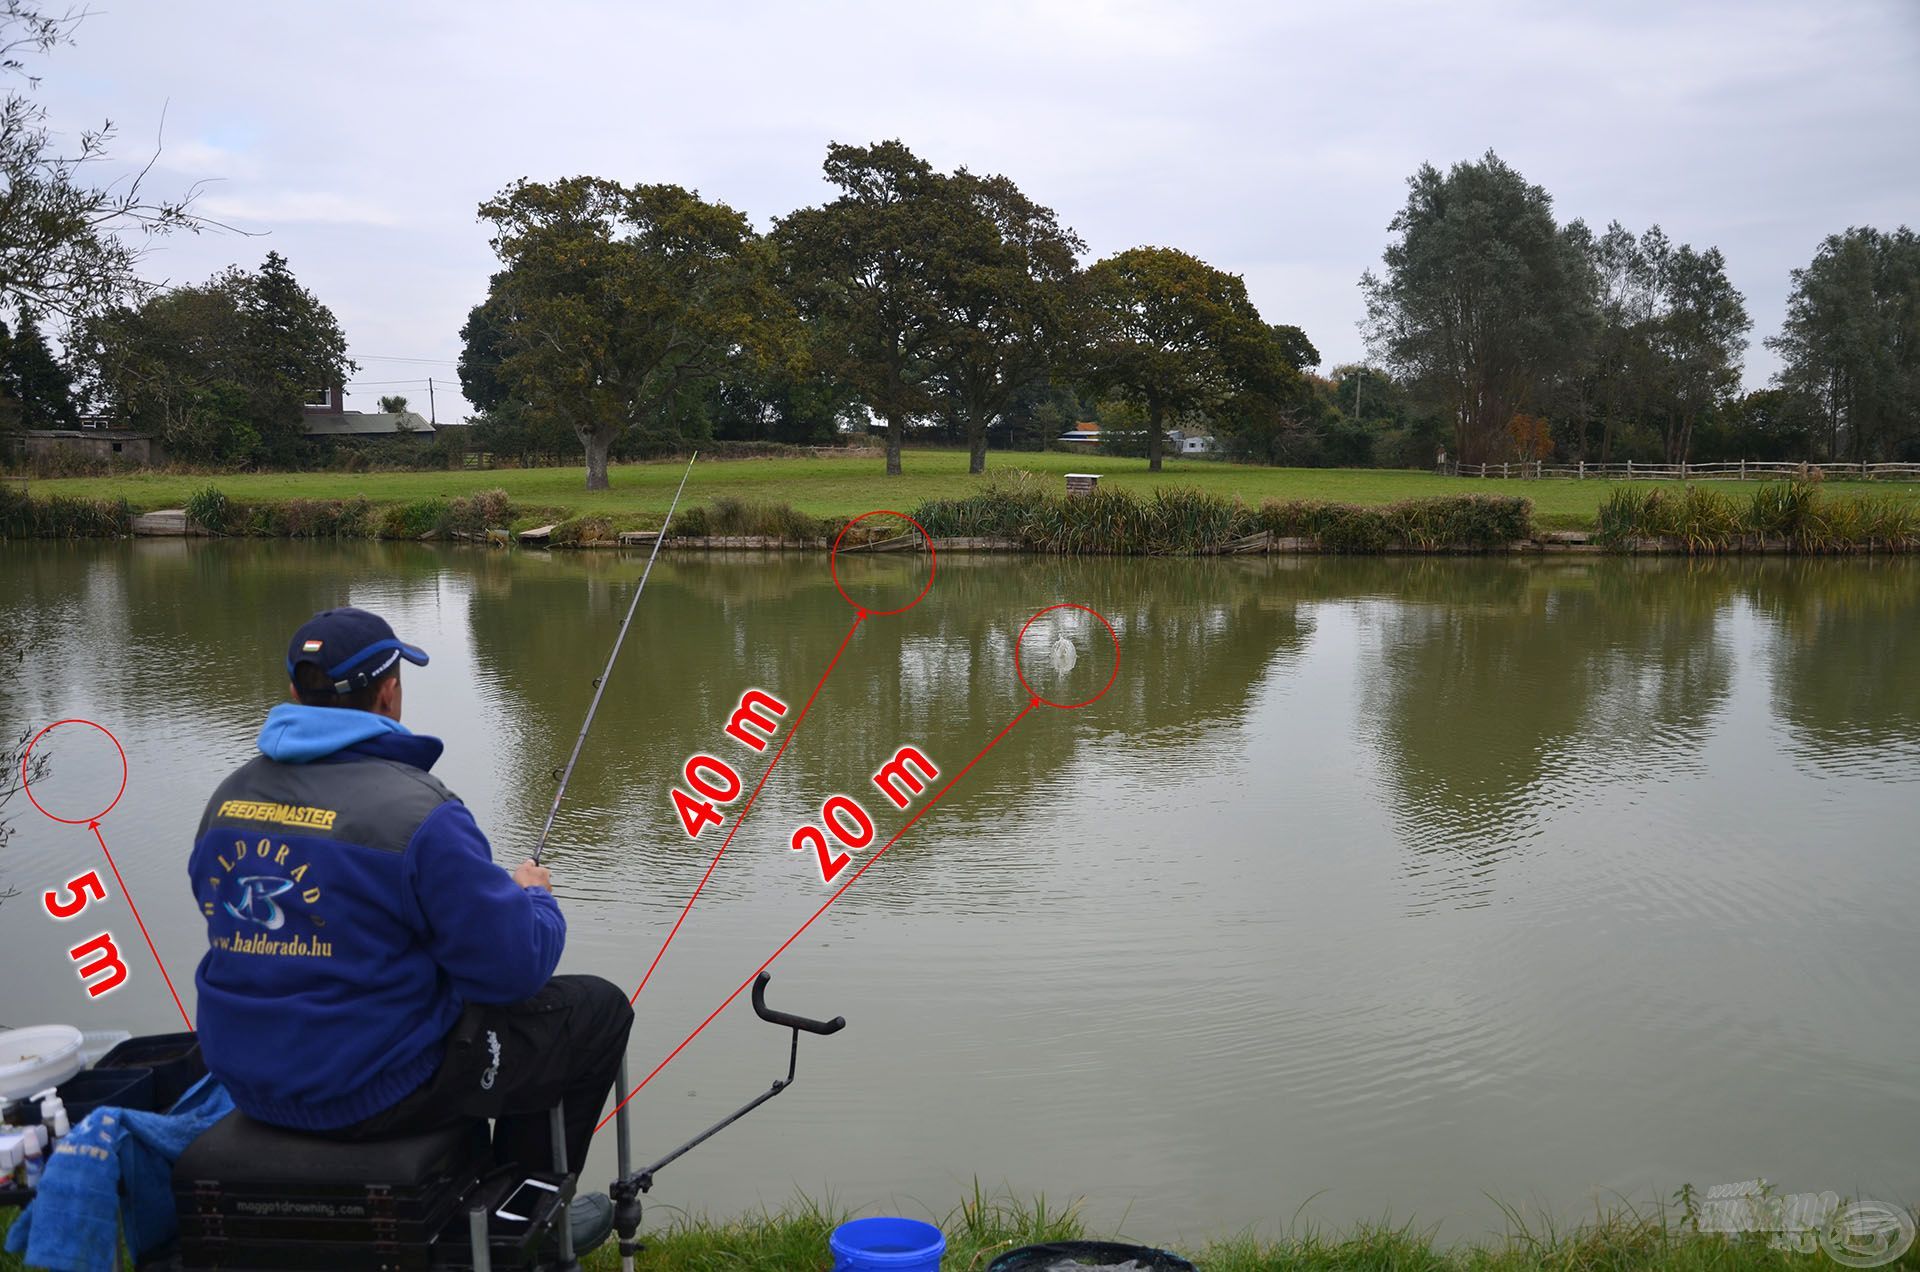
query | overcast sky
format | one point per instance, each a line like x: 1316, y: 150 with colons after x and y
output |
x: 1271, y: 140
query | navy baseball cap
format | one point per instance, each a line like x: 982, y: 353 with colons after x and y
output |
x: 353, y: 647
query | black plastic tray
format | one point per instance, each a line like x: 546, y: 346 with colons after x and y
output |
x: 89, y: 1089
x: 174, y: 1059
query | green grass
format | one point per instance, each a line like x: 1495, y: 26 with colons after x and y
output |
x: 985, y: 1226
x: 833, y: 487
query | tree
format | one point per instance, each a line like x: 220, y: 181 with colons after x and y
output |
x: 40, y: 387
x: 1700, y: 338
x: 1003, y: 286
x: 1664, y: 350
x: 781, y: 403
x: 220, y: 371
x: 866, y: 273
x: 1851, y: 342
x: 66, y: 247
x: 612, y: 300
x: 1177, y: 337
x: 1294, y: 421
x: 392, y: 404
x: 1483, y: 299
x: 15, y: 772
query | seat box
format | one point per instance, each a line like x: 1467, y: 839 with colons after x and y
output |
x: 244, y: 1183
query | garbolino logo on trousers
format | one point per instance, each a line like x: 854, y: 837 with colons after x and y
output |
x: 1859, y: 1234
x: 493, y: 1070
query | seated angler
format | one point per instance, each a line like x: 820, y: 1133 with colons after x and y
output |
x: 371, y: 972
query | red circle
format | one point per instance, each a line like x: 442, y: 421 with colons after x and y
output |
x: 1111, y: 676
x: 833, y: 563
x: 27, y: 786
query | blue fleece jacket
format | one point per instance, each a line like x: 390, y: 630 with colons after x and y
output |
x: 353, y: 909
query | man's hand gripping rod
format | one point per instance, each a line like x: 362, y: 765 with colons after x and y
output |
x: 600, y: 684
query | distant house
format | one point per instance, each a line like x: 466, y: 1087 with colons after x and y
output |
x: 1087, y: 434
x: 325, y: 415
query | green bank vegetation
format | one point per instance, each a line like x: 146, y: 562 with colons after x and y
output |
x: 839, y: 488
x: 984, y: 1227
x: 981, y: 1229
x: 1706, y: 520
x: 1025, y: 510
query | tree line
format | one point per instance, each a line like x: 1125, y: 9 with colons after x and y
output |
x: 915, y: 298
x: 954, y: 306
x: 1534, y: 339
x: 626, y: 319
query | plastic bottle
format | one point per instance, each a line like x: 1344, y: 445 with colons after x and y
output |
x: 13, y: 1155
x: 36, y: 1151
x: 53, y: 1115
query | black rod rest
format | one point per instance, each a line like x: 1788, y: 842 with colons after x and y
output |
x: 625, y: 1191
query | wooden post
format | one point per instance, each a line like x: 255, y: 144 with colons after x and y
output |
x: 1629, y: 470
x: 1583, y: 471
x: 1743, y: 470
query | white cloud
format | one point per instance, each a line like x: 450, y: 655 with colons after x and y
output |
x: 1272, y: 140
x: 291, y: 206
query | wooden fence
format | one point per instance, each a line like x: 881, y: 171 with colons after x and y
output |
x: 1738, y: 470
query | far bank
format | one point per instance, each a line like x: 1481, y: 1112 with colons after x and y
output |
x: 1190, y: 508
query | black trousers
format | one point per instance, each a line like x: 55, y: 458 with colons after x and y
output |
x: 512, y: 1063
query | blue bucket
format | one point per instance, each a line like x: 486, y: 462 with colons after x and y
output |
x: 883, y: 1244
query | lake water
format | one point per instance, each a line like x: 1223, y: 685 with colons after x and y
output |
x: 1373, y: 887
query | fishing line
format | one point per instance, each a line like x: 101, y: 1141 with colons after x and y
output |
x: 600, y: 684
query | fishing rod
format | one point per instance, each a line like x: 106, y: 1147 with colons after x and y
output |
x: 600, y: 682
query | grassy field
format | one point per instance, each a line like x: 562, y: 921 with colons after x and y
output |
x: 844, y: 487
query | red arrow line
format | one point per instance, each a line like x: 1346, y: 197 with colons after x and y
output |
x: 748, y: 806
x: 94, y: 826
x: 867, y: 865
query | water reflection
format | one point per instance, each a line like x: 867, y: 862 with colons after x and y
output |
x: 1416, y: 879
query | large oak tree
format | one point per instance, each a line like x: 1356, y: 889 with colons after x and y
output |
x: 866, y: 273
x: 1003, y: 284
x: 613, y: 299
x: 1174, y: 335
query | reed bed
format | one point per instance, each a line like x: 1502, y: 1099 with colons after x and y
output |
x: 1187, y: 520
x: 1020, y: 510
x: 470, y: 515
x: 1794, y: 514
x: 61, y: 517
x: 731, y: 517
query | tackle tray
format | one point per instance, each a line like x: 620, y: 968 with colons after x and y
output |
x: 512, y: 1247
x: 243, y: 1183
x: 174, y: 1059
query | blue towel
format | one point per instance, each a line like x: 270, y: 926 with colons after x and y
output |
x: 72, y: 1223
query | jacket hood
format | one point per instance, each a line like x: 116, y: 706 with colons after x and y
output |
x: 298, y: 734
